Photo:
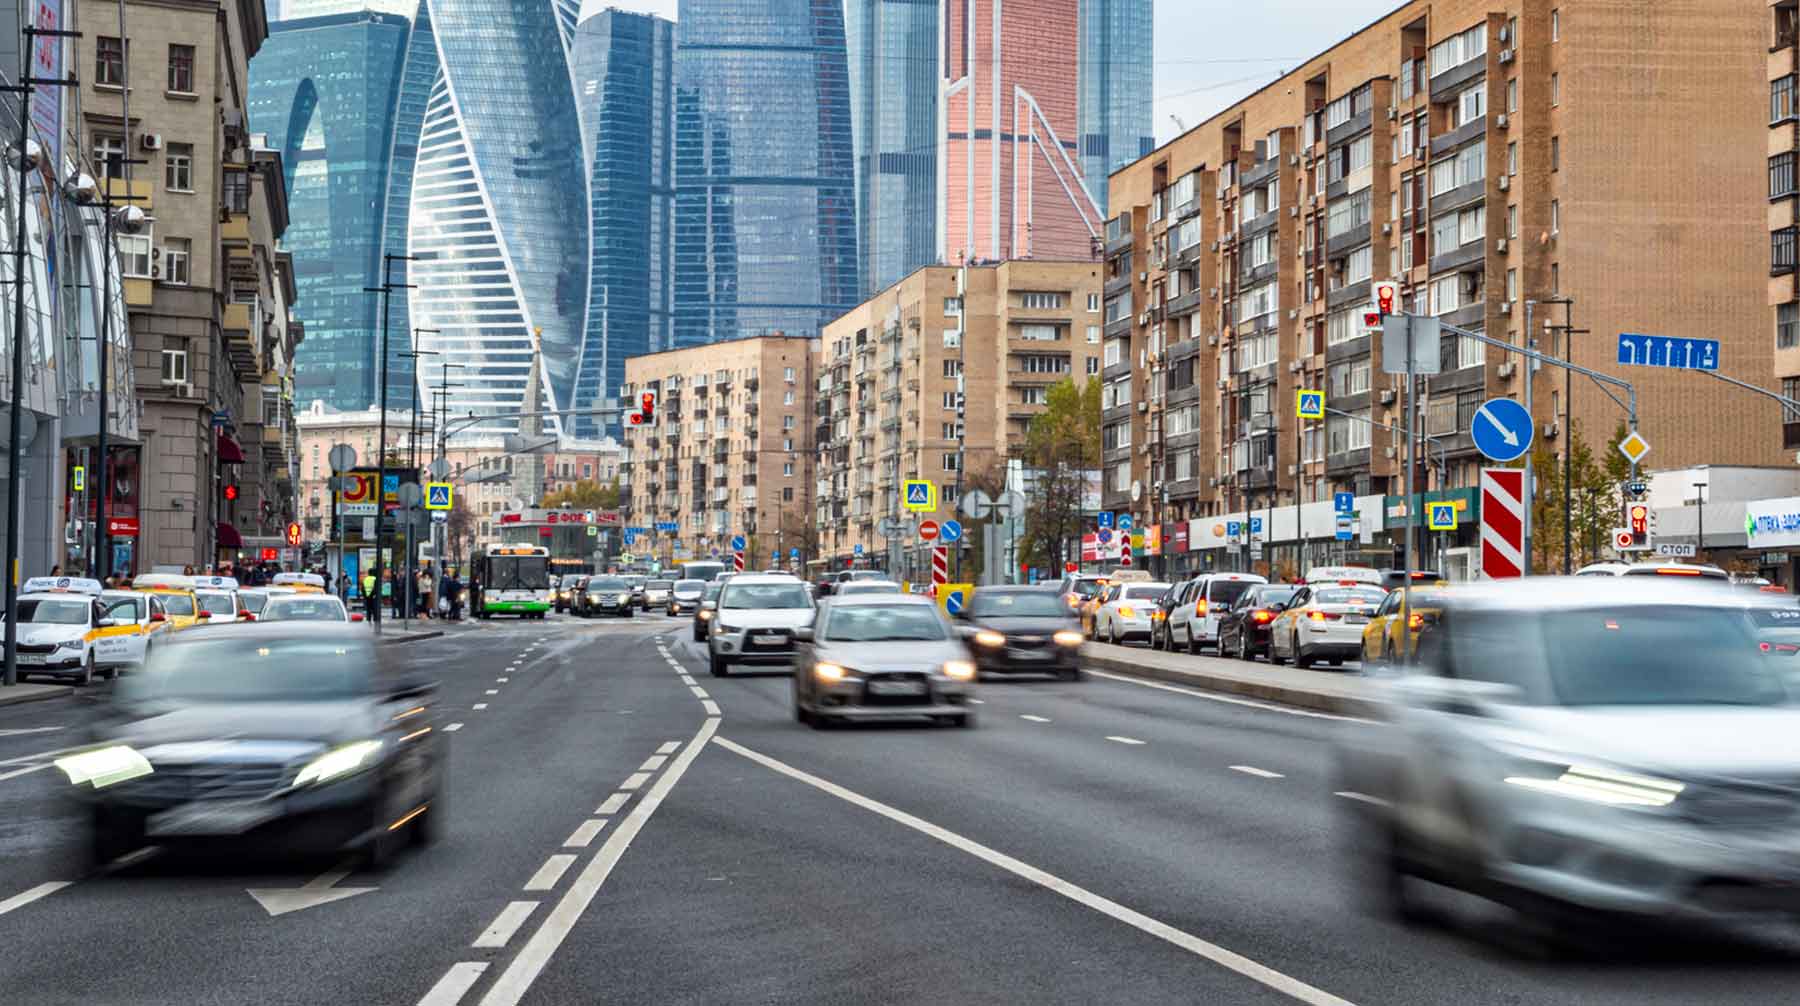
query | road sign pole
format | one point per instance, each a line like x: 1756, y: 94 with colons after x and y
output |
x: 1530, y: 382
x: 1412, y: 517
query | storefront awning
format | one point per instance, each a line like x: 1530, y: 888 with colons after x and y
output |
x: 229, y: 451
x: 229, y: 537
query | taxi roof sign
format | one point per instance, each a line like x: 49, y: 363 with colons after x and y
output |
x: 163, y: 581
x: 299, y: 579
x: 216, y: 582
x: 61, y: 585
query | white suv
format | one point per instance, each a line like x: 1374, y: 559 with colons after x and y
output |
x: 1194, y: 622
x: 755, y: 621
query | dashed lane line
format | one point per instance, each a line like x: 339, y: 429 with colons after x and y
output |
x: 547, y: 875
x: 1124, y: 740
x: 583, y: 836
x: 492, y: 691
x: 27, y: 770
x: 1034, y: 719
x: 1349, y: 794
x: 653, y: 763
x: 455, y: 984
x: 26, y: 897
x: 711, y: 707
x: 505, y: 924
x: 699, y: 693
x: 668, y: 748
x: 503, y: 680
x: 613, y: 803
x: 480, y: 705
x: 634, y: 780
x: 452, y: 728
x: 1260, y: 773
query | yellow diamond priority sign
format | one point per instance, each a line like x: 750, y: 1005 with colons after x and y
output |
x: 1634, y: 447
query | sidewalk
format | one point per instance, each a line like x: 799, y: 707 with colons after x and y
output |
x: 32, y: 693
x: 1324, y: 691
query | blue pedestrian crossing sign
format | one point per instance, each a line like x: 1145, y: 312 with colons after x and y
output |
x: 1124, y: 522
x: 1440, y: 516
x: 1309, y: 404
x: 1103, y: 519
x: 918, y: 495
x: 737, y: 543
x: 950, y: 530
x: 1668, y: 352
x: 438, y: 495
x: 1502, y: 429
x: 1343, y: 502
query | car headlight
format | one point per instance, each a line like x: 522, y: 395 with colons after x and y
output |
x: 988, y: 637
x: 104, y: 766
x: 1068, y: 637
x: 828, y: 672
x: 339, y: 761
x: 1594, y: 784
x: 728, y: 628
x: 705, y: 616
x: 961, y: 670
x: 69, y: 644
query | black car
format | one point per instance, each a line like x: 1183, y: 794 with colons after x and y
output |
x: 1244, y: 628
x: 297, y: 736
x: 708, y: 608
x: 1022, y: 630
x: 605, y: 595
x: 831, y: 580
x: 563, y: 594
x: 686, y: 596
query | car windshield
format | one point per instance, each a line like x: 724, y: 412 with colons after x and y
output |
x: 607, y: 583
x: 1087, y: 588
x: 214, y: 602
x: 690, y: 588
x: 570, y: 581
x: 636, y: 581
x: 254, y: 668
x: 1018, y: 604
x: 305, y: 609
x: 738, y: 596
x: 253, y: 603
x: 54, y: 612
x: 125, y: 609
x: 1224, y: 593
x: 1349, y: 595
x: 1145, y: 592
x: 659, y: 585
x: 178, y: 604
x: 712, y: 590
x: 885, y: 623
x: 1276, y: 595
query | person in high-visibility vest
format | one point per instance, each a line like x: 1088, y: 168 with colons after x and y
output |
x: 368, y: 596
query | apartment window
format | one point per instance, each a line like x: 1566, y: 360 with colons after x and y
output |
x: 1116, y: 435
x: 1359, y: 265
x: 787, y: 375
x: 1039, y: 333
x: 1468, y: 166
x: 1263, y: 300
x: 1459, y: 49
x: 1187, y: 234
x: 1093, y: 303
x: 1787, y: 326
x: 950, y: 400
x: 1183, y: 190
x: 236, y: 194
x: 1093, y: 335
x: 952, y: 368
x: 1032, y: 396
x: 134, y: 255
x: 1781, y: 99
x: 1512, y: 158
x: 1347, y: 433
x: 1555, y: 25
x: 1512, y: 221
x: 787, y: 422
x: 109, y: 62
x: 1555, y: 153
x: 178, y: 167
x: 1093, y: 365
x: 1043, y: 300
x: 1118, y: 308
x: 1349, y: 159
x: 952, y: 431
x: 787, y: 397
x: 1471, y: 104
x: 1344, y: 325
x: 1404, y: 138
x: 787, y: 494
x: 1556, y: 269
x: 1032, y: 364
x: 1512, y: 95
x: 109, y: 155
x: 1781, y: 250
x: 950, y: 462
x: 1348, y: 215
x: 1348, y: 107
x: 1781, y: 174
x: 1407, y: 84
x: 175, y: 363
x: 1348, y: 379
x: 177, y: 261
x: 1556, y: 216
x: 1114, y: 351
x: 181, y: 69
x: 1512, y: 284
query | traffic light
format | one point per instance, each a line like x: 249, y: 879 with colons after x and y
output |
x: 1637, y: 521
x: 1387, y: 296
x: 293, y: 533
x: 231, y: 492
x: 647, y: 406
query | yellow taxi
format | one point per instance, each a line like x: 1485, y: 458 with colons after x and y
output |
x: 304, y: 583
x: 133, y: 620
x: 176, y: 592
x: 1381, y: 642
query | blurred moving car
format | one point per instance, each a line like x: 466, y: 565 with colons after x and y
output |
x: 59, y: 618
x: 1194, y: 620
x: 881, y: 656
x: 1566, y: 750
x: 656, y: 594
x: 1684, y: 570
x: 829, y: 583
x: 177, y: 594
x: 308, y: 608
x: 755, y: 622
x: 1382, y: 643
x: 708, y: 608
x: 1126, y: 614
x: 851, y: 588
x: 1244, y: 627
x: 1078, y: 587
x: 296, y: 735
x: 564, y: 593
x: 1022, y: 630
x: 131, y: 623
x: 685, y: 596
x: 605, y: 595
x: 252, y: 599
x: 1324, y: 621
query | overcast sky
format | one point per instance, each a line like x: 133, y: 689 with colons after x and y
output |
x: 1210, y: 53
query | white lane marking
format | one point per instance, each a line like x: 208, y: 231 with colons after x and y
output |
x: 613, y: 803
x: 1259, y: 973
x: 41, y: 756
x: 653, y: 763
x: 27, y: 770
x: 452, y: 728
x: 1260, y: 773
x: 711, y: 707
x: 1124, y: 740
x: 979, y: 702
x: 512, y: 985
x: 502, y: 680
x: 480, y: 705
x: 1349, y: 794
x: 668, y: 747
x: 699, y: 693
x: 634, y: 780
x: 581, y: 837
x: 455, y: 984
x: 21, y: 731
x: 687, y: 679
x: 1227, y: 699
x: 492, y: 691
x: 1034, y: 719
x: 505, y: 924
x: 551, y: 872
x: 24, y: 898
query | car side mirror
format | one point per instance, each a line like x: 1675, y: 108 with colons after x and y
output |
x: 157, y: 616
x: 356, y: 616
x: 106, y: 623
x: 803, y: 634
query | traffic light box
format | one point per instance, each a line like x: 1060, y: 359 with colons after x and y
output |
x: 646, y: 411
x: 1637, y: 521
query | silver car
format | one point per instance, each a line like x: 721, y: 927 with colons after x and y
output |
x: 1627, y: 751
x: 882, y: 656
x: 755, y: 621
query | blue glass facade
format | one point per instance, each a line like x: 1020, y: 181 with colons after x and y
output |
x: 324, y: 89
x: 765, y: 203
x: 894, y: 77
x: 1114, y: 104
x: 418, y: 72
x: 624, y: 82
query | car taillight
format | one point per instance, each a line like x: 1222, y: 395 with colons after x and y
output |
x: 1324, y: 616
x: 1262, y: 617
x: 1199, y: 607
x: 1126, y: 611
x: 1786, y: 648
x: 1415, y: 620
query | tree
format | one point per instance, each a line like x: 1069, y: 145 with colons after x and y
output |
x: 1595, y: 501
x: 989, y: 478
x: 1062, y: 445
x: 586, y: 494
x: 458, y: 530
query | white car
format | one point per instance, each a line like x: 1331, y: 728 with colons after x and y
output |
x: 307, y: 608
x: 59, y: 623
x: 132, y: 622
x: 1126, y: 615
x: 756, y: 616
x: 1324, y: 621
x: 1194, y: 621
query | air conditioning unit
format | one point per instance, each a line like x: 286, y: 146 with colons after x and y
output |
x: 1391, y: 453
x: 1505, y: 182
x: 184, y: 389
x: 1393, y: 113
x: 1215, y: 293
x: 1387, y: 396
x: 156, y: 272
x: 1294, y: 160
x: 1387, y: 228
x: 1144, y: 319
x: 1143, y: 406
x: 1506, y: 56
x: 1551, y: 430
x: 1212, y: 340
x: 1294, y: 368
x: 1293, y: 312
x: 1500, y: 245
x: 1506, y: 307
x: 1143, y: 277
x: 1213, y: 481
x: 1506, y: 370
x: 1501, y: 120
x: 1224, y: 383
x: 151, y: 141
x: 1293, y: 211
x: 1215, y: 246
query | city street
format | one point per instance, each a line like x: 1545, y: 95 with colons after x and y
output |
x: 623, y: 827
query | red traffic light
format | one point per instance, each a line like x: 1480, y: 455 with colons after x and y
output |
x: 1639, y: 515
x: 293, y: 533
x: 231, y: 492
x: 647, y: 406
x: 635, y: 418
x: 1387, y: 295
x: 1624, y: 539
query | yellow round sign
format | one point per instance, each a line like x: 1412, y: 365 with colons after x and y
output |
x: 1218, y: 530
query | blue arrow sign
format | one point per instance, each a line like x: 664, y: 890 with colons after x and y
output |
x: 1343, y: 502
x: 950, y: 530
x: 1124, y: 522
x: 1104, y: 518
x: 1502, y: 429
x: 854, y: 549
x: 737, y: 543
x: 1637, y: 350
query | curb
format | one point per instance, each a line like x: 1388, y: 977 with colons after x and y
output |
x: 1268, y: 691
x: 38, y: 693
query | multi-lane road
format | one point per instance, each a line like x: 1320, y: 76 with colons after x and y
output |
x: 622, y: 827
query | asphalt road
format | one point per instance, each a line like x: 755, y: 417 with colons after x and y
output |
x: 622, y: 827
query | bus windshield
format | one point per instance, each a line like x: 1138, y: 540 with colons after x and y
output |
x: 518, y: 572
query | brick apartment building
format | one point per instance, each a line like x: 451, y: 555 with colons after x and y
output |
x: 1495, y: 158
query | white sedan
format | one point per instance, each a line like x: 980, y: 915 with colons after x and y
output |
x: 1324, y: 621
x: 1128, y: 612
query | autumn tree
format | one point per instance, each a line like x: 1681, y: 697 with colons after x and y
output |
x: 1062, y: 445
x: 1595, y: 501
x: 586, y: 494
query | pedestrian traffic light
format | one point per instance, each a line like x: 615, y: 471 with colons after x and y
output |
x: 231, y: 492
x: 1387, y: 296
x: 1637, y: 521
x: 293, y: 532
x: 647, y: 406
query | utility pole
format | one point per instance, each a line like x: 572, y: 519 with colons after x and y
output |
x: 386, y: 289
x: 1700, y: 538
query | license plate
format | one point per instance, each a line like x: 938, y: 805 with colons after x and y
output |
x: 1356, y: 619
x: 31, y: 659
x: 896, y: 688
x: 222, y: 817
x: 1027, y: 654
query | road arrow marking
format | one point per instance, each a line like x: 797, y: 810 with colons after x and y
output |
x: 315, y: 892
x: 1511, y: 438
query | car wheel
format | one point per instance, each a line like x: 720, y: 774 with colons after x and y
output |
x: 1244, y: 647
x: 1193, y: 642
x: 86, y: 677
x: 113, y: 833
x: 1115, y: 640
x: 718, y: 666
x: 1337, y: 661
x: 429, y: 825
x: 801, y: 714
x: 963, y: 720
x: 629, y: 613
x: 1301, y: 660
x: 1072, y: 674
x: 378, y: 851
x: 1275, y: 655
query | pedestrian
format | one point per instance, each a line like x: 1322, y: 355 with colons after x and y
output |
x: 371, y: 610
x: 56, y: 570
x: 475, y: 595
x: 451, y: 590
x: 187, y: 571
x: 422, y: 591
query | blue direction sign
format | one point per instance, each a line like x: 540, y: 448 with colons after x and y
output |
x: 1502, y: 429
x: 794, y: 553
x: 667, y: 526
x: 1104, y: 518
x: 1343, y: 502
x: 950, y: 530
x: 954, y: 599
x: 1673, y: 353
x: 1124, y: 522
x: 630, y: 537
x: 738, y: 543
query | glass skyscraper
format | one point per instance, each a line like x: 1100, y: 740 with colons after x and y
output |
x: 324, y: 90
x: 1115, y: 82
x: 894, y: 72
x: 765, y: 198
x: 499, y: 208
x: 624, y: 83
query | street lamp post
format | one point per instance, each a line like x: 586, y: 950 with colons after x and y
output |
x: 386, y: 289
x: 1700, y: 536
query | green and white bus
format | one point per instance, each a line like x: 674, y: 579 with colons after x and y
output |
x: 515, y: 580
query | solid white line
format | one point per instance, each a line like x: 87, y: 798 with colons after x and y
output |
x: 1193, y: 944
x: 455, y: 984
x: 634, y: 780
x: 1227, y: 699
x: 711, y: 707
x: 20, y: 731
x: 452, y: 728
x: 27, y: 770
x: 653, y: 763
x: 24, y: 898
x: 613, y: 803
x: 480, y: 705
x: 1124, y: 740
x: 551, y: 872
x: 669, y: 747
x: 1034, y: 719
x: 512, y: 985
x: 1260, y: 773
x: 583, y: 836
x: 505, y: 924
x: 699, y: 693
x: 1362, y: 797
